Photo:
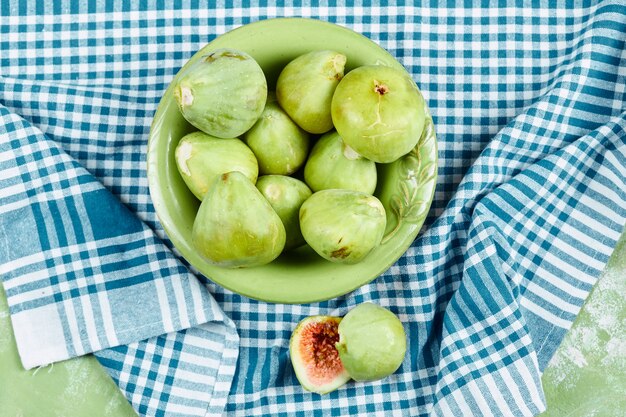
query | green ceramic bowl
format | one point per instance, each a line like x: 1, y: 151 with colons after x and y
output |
x: 405, y: 187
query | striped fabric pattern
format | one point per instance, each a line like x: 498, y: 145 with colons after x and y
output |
x: 83, y: 273
x: 529, y: 105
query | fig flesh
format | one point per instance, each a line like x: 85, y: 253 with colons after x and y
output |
x: 342, y: 226
x: 201, y: 158
x: 333, y: 164
x: 305, y: 88
x: 286, y: 195
x: 280, y: 145
x: 314, y: 357
x: 223, y: 93
x: 236, y: 226
x: 372, y: 342
x: 379, y: 112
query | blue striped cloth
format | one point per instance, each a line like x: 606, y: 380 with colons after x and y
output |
x: 529, y: 104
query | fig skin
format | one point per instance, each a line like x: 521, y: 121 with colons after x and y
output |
x: 222, y: 94
x: 372, y: 342
x: 342, y: 226
x: 305, y: 88
x: 286, y: 195
x: 236, y: 226
x: 314, y: 357
x: 201, y: 158
x: 333, y: 164
x: 279, y: 144
x: 379, y: 112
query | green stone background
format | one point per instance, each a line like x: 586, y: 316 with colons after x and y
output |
x: 74, y: 388
x: 586, y: 377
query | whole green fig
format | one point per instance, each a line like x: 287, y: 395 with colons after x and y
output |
x: 379, y: 112
x: 372, y: 342
x: 286, y: 195
x: 222, y: 94
x: 280, y: 145
x: 236, y: 226
x: 342, y: 225
x: 305, y: 88
x: 201, y: 158
x: 333, y: 164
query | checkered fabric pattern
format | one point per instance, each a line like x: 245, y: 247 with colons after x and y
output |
x: 529, y: 104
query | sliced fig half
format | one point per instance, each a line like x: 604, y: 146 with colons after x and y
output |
x: 314, y: 356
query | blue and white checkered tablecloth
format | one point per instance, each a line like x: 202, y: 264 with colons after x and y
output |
x: 529, y: 103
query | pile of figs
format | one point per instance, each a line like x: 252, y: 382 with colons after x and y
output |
x: 275, y: 170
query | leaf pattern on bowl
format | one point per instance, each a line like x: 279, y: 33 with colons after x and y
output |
x: 415, y: 170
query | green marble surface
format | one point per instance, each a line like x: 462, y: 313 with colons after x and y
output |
x: 586, y: 377
x: 74, y: 388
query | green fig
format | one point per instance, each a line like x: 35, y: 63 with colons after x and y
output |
x: 201, y: 158
x: 305, y: 88
x: 280, y: 145
x: 333, y: 164
x: 236, y: 226
x: 372, y: 342
x: 379, y: 112
x: 342, y: 226
x: 286, y: 195
x: 223, y: 93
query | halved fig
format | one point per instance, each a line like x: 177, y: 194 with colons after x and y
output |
x: 314, y: 356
